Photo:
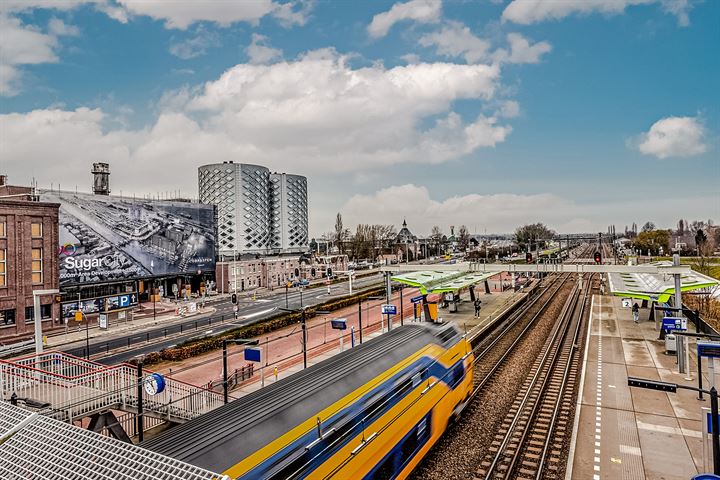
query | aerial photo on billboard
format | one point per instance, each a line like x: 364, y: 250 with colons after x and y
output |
x: 107, y: 238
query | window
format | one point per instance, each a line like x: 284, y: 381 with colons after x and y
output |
x: 3, y: 227
x: 37, y: 266
x: 7, y: 317
x: 45, y: 313
x: 36, y: 229
x: 3, y: 268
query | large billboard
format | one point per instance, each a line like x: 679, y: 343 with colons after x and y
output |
x: 107, y: 238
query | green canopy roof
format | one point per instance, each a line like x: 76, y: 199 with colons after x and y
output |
x: 429, y: 281
x: 656, y: 287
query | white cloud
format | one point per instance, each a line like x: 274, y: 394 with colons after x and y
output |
x: 532, y: 11
x: 521, y: 51
x: 501, y: 212
x: 21, y: 45
x: 456, y: 40
x: 195, y: 46
x: 259, y: 53
x: 59, y: 28
x: 509, y: 109
x: 674, y: 137
x: 293, y: 13
x: 421, y: 11
x: 181, y: 14
x: 316, y: 115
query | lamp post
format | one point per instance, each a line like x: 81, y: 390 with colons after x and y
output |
x: 37, y: 317
x: 304, y: 328
x: 240, y: 341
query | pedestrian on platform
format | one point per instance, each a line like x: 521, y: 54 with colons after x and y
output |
x: 478, y: 302
x: 636, y: 312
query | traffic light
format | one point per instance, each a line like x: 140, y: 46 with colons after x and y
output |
x: 312, y: 271
x: 297, y: 272
x: 329, y: 272
x: 598, y: 258
x: 528, y: 257
x: 233, y: 298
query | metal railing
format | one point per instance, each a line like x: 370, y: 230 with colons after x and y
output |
x: 75, y: 388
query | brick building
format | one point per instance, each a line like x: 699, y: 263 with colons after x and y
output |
x: 274, y: 272
x: 28, y: 261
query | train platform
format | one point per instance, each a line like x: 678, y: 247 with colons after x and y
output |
x: 632, y: 433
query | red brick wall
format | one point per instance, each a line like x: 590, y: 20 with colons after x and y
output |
x: 18, y: 243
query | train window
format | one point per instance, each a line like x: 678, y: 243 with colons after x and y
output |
x: 416, y: 379
x: 457, y: 374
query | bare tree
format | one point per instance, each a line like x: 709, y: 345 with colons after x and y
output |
x: 436, y: 238
x: 339, y: 236
x: 463, y: 238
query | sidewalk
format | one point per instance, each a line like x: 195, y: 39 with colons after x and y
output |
x: 633, y: 433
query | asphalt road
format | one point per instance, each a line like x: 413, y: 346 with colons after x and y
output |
x: 156, y: 338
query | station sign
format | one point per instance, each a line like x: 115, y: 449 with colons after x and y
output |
x: 252, y: 354
x: 670, y: 324
x: 339, y: 324
x: 388, y: 309
x: 417, y: 299
x: 707, y: 349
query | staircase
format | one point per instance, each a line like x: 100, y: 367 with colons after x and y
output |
x: 75, y: 388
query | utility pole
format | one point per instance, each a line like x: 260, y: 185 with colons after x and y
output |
x: 360, y: 318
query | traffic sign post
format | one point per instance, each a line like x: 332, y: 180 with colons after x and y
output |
x: 254, y: 354
x: 340, y: 325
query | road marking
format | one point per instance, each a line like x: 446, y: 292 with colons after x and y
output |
x: 598, y: 407
x: 257, y: 314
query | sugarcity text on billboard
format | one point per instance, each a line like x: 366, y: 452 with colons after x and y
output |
x: 108, y: 238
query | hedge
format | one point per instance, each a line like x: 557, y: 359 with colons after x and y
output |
x: 193, y: 348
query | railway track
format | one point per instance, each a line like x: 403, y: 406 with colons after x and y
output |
x: 533, y: 435
x: 508, y: 362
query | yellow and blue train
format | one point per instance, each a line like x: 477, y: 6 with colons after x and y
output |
x: 372, y: 412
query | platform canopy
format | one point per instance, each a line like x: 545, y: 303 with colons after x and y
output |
x: 33, y: 446
x: 654, y: 286
x: 431, y: 281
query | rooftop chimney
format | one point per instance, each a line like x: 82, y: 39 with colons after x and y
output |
x: 101, y: 178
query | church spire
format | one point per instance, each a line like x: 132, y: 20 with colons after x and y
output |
x: 404, y: 223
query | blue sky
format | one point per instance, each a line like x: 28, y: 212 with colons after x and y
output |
x: 489, y: 113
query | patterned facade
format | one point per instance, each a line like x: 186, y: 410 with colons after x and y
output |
x: 258, y: 212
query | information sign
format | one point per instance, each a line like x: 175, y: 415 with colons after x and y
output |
x: 626, y: 303
x: 710, y: 350
x: 417, y: 299
x: 252, y: 354
x: 103, y: 320
x: 339, y: 324
x: 670, y: 324
x: 388, y: 309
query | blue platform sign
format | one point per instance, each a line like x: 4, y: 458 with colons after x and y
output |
x: 124, y: 301
x: 252, y: 354
x: 417, y: 299
x: 670, y: 324
x: 339, y: 324
x: 710, y: 350
x: 388, y: 309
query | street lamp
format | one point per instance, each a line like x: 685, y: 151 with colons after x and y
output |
x: 38, y: 318
x: 240, y: 341
x: 304, y: 327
